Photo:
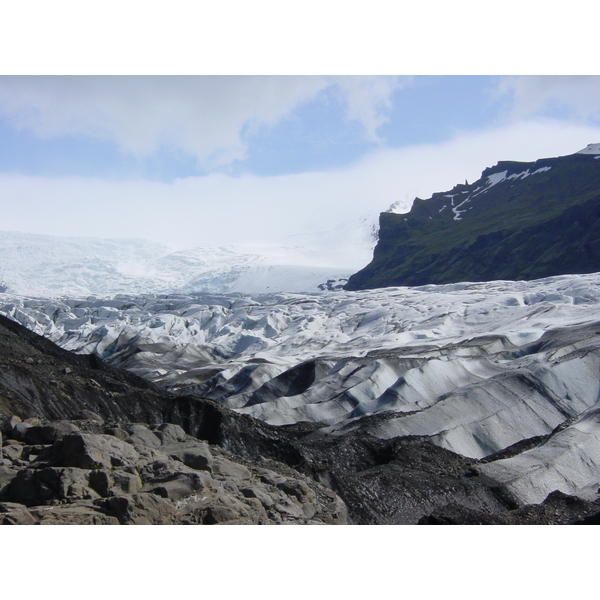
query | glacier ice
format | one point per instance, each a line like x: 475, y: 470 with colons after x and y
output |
x: 475, y: 367
x: 40, y: 265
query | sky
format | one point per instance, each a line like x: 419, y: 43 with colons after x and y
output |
x: 214, y: 160
x: 229, y: 157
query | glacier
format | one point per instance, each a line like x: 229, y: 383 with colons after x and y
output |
x: 49, y: 266
x: 477, y: 368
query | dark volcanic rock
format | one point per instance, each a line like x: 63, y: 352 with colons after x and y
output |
x: 73, y: 514
x: 96, y: 478
x: 39, y: 379
x: 141, y: 509
x: 398, y: 481
x: 380, y: 481
x: 197, y: 456
x: 123, y: 470
x: 15, y: 514
x: 141, y: 436
x: 168, y: 433
x: 89, y: 451
x: 50, y: 433
x: 557, y: 509
x: 7, y: 474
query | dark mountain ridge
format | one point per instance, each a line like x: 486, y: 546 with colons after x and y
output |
x: 519, y: 221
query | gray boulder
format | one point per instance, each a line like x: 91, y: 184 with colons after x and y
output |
x: 117, y: 432
x: 288, y: 510
x: 228, y: 510
x: 141, y: 437
x: 93, y: 450
x: 75, y: 483
x: 88, y: 415
x: 115, y: 483
x: 270, y: 477
x: 10, y: 423
x: 260, y: 493
x: 125, y: 483
x: 168, y: 433
x: 12, y: 452
x: 34, y: 486
x: 222, y: 467
x: 196, y: 455
x: 18, y: 431
x: 15, y: 514
x: 176, y: 486
x: 33, y: 452
x: 141, y: 509
x: 73, y: 514
x: 50, y: 433
x: 299, y: 491
x: 162, y: 469
x: 6, y: 476
x: 101, y: 481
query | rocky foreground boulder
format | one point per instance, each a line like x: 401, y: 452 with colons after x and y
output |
x: 86, y: 472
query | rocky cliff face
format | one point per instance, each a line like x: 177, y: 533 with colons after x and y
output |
x: 519, y: 221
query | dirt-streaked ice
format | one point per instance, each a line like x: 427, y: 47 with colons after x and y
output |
x: 476, y: 367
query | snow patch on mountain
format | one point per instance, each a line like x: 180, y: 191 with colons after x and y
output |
x: 400, y: 207
x: 496, y: 178
x: 590, y: 149
x: 459, y: 199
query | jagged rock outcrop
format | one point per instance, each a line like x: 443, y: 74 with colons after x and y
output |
x: 518, y: 221
x: 89, y: 477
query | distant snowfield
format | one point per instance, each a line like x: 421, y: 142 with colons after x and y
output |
x: 48, y: 266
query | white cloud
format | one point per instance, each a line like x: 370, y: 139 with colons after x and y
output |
x: 533, y: 94
x: 203, y: 116
x: 218, y: 209
x: 368, y: 98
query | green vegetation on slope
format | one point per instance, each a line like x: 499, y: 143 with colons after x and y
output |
x: 545, y: 224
